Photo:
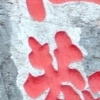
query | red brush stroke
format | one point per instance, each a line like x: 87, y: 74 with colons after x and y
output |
x: 40, y: 58
x: 34, y: 85
x: 60, y: 1
x: 37, y: 10
x: 94, y: 82
x: 63, y: 1
x: 69, y: 93
x: 65, y: 54
x: 88, y: 96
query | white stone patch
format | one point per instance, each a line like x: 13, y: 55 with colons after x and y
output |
x: 61, y: 96
x: 58, y: 18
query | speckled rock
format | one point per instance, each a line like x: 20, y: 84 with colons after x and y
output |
x: 80, y: 20
x: 8, y: 70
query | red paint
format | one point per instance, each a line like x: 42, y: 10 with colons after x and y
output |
x: 63, y: 1
x: 69, y: 93
x: 33, y: 85
x: 60, y: 1
x: 40, y: 58
x: 94, y: 82
x: 88, y: 96
x: 65, y: 54
x: 36, y: 9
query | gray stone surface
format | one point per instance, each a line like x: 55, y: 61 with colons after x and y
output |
x: 79, y: 16
x: 8, y: 71
x: 90, y: 39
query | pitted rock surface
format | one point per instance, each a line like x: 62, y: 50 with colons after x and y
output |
x: 8, y: 71
x: 16, y: 26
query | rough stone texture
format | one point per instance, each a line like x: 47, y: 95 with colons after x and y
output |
x: 91, y: 41
x: 80, y: 20
x: 89, y: 22
x: 8, y: 71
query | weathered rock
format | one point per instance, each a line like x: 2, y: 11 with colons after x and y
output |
x: 80, y: 20
x: 8, y: 71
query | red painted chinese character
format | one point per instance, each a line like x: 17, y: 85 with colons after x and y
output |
x: 37, y: 10
x: 65, y: 54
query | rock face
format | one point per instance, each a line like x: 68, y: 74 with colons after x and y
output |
x: 8, y: 70
x: 80, y: 20
x: 91, y: 41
